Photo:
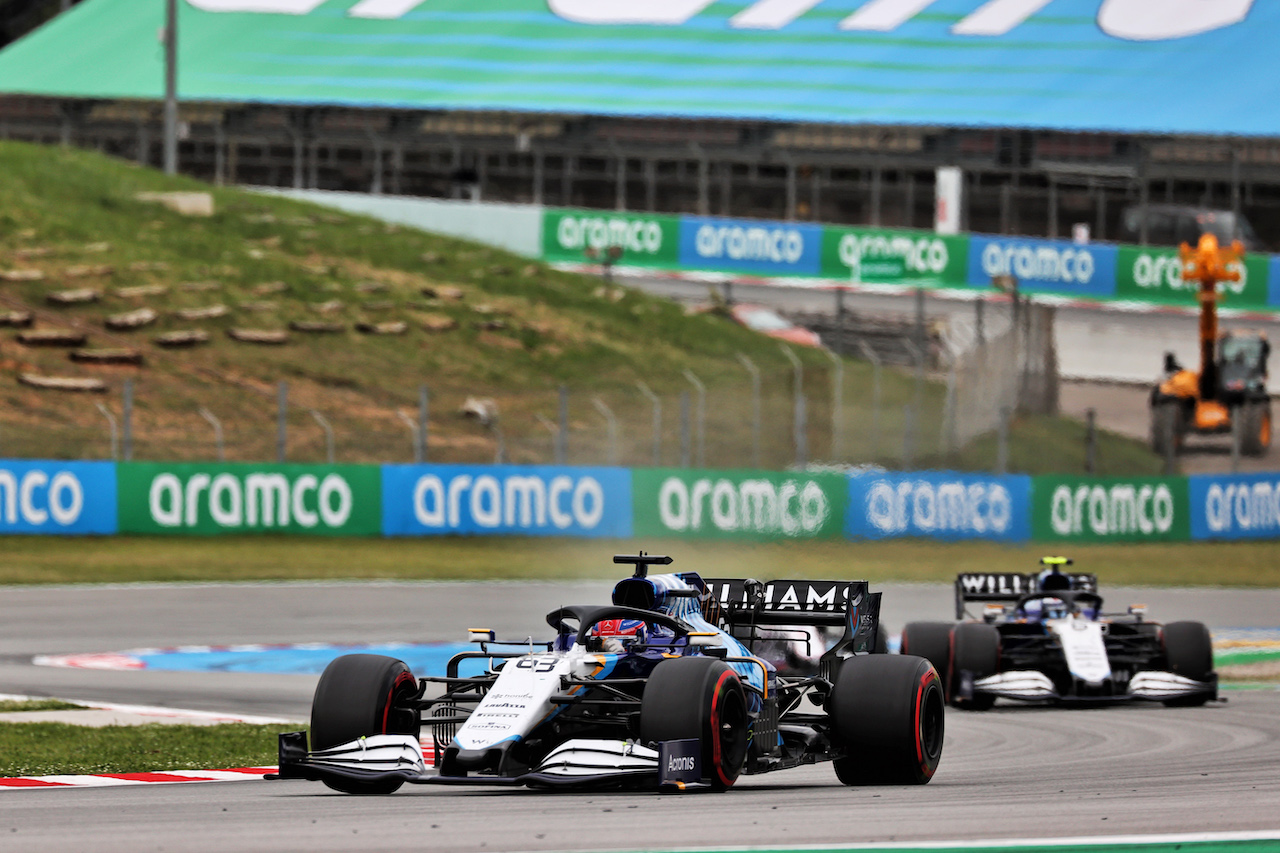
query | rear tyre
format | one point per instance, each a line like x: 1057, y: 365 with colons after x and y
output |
x: 358, y: 696
x: 1166, y: 428
x: 1188, y: 652
x: 699, y: 697
x: 1255, y: 428
x: 888, y: 717
x: 931, y: 641
x: 975, y: 648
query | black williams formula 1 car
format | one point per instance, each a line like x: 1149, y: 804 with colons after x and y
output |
x: 1044, y: 637
x: 659, y: 689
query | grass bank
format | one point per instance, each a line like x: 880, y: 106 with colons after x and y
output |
x: 45, y: 749
x: 41, y: 560
x: 477, y: 322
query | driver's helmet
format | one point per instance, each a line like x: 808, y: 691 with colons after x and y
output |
x: 1048, y: 607
x: 624, y: 631
x: 1052, y: 580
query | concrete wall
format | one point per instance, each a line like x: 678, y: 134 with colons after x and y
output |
x: 514, y: 227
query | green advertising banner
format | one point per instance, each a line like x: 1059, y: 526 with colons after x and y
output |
x: 646, y: 240
x: 738, y: 504
x: 1155, y: 275
x: 880, y: 256
x: 212, y: 498
x: 1093, y: 509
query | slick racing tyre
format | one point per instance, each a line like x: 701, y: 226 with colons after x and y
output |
x: 931, y: 641
x: 975, y: 649
x: 1188, y: 652
x: 358, y: 696
x: 887, y: 717
x: 699, y: 697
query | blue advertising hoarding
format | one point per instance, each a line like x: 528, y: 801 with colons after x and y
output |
x: 423, y: 500
x: 765, y: 248
x: 939, y: 505
x: 1273, y: 282
x: 1044, y: 266
x: 1235, y: 506
x: 57, y: 497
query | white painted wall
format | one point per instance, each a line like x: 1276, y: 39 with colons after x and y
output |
x: 514, y: 227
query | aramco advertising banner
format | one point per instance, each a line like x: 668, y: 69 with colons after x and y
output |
x: 57, y: 497
x: 422, y: 500
x: 750, y: 246
x: 1092, y: 509
x: 1155, y: 275
x: 938, y: 505
x: 878, y: 256
x: 1235, y: 506
x: 213, y: 498
x: 1044, y: 266
x: 641, y: 240
x: 737, y: 504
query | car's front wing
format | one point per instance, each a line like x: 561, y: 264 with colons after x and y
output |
x: 367, y: 759
x: 1033, y: 686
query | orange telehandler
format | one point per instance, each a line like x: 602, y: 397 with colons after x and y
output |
x: 1231, y: 387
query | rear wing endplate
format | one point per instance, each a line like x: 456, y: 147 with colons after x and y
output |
x: 789, y: 603
x: 1009, y: 586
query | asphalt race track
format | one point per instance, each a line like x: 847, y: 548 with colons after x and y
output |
x: 1009, y: 773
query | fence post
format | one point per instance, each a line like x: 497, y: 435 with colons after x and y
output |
x: 800, y: 425
x: 420, y: 445
x: 1091, y: 441
x: 282, y: 412
x: 328, y: 434
x: 551, y: 428
x: 684, y: 429
x: 837, y: 406
x: 702, y: 416
x: 111, y: 424
x: 1002, y: 441
x: 415, y: 431
x: 612, y: 425
x: 755, y: 407
x: 657, y: 421
x: 562, y: 432
x: 947, y: 441
x: 217, y: 432
x: 127, y: 417
x: 875, y: 395
x: 908, y: 436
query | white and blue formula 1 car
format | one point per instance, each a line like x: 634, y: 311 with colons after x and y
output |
x: 1044, y: 638
x: 658, y: 690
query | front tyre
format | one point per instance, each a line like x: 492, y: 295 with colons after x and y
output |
x: 358, y: 696
x: 887, y: 716
x: 975, y: 649
x: 1188, y: 651
x: 699, y: 697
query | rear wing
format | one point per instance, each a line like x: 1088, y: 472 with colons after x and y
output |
x: 851, y: 605
x: 1009, y: 586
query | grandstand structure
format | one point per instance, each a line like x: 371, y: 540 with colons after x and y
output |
x: 1067, y: 116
